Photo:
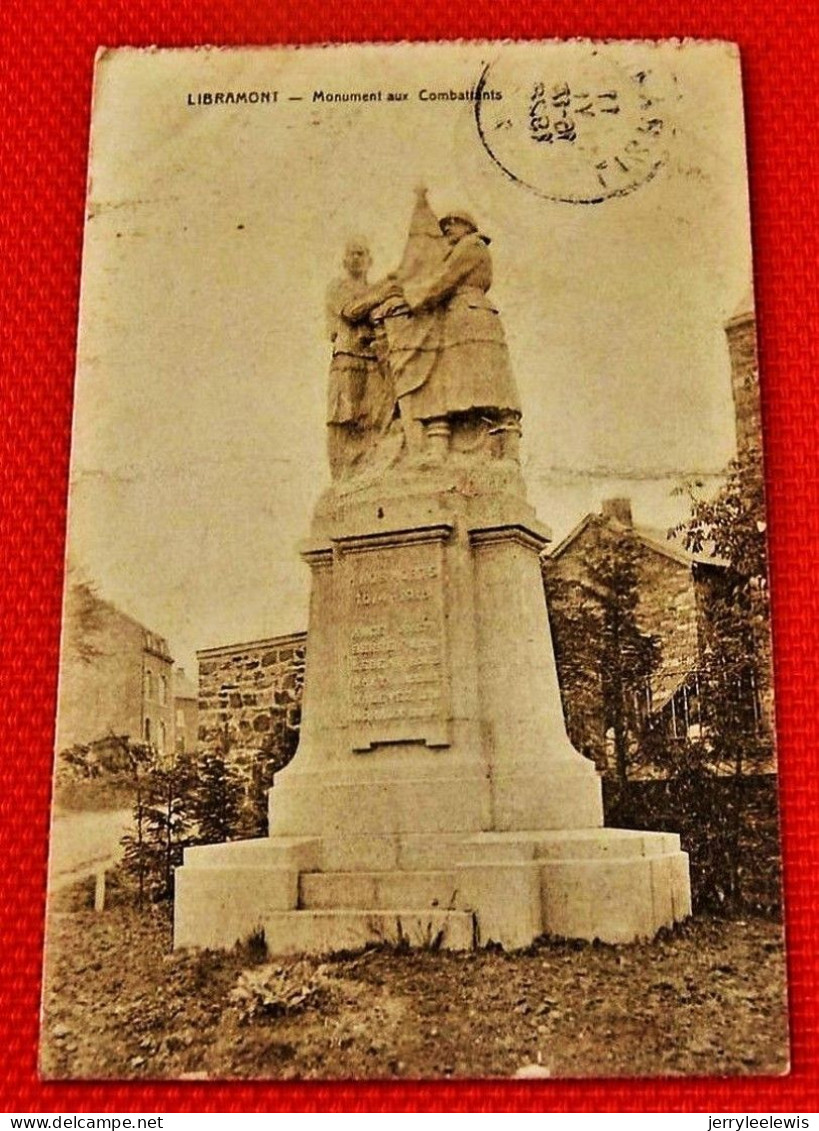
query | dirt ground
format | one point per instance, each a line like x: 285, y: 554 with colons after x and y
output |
x: 705, y: 999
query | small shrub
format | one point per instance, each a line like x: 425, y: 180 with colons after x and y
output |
x: 275, y: 991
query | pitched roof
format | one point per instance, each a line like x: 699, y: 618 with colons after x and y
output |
x: 154, y: 641
x: 651, y: 537
x: 664, y: 542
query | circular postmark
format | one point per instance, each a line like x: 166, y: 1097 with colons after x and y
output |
x: 580, y: 133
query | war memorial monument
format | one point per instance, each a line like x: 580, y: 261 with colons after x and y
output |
x: 435, y: 799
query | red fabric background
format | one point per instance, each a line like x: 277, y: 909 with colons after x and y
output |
x: 46, y: 55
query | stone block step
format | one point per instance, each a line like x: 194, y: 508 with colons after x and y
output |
x: 602, y: 844
x: 378, y: 890
x: 328, y: 932
x: 296, y: 853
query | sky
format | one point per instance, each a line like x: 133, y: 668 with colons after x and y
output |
x: 213, y: 232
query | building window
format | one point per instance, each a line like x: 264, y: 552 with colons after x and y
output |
x: 149, y: 685
x: 679, y: 713
x: 161, y: 737
x: 163, y: 690
x: 749, y: 703
x: 148, y: 731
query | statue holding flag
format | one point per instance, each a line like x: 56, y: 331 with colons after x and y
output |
x: 425, y: 347
x: 448, y: 353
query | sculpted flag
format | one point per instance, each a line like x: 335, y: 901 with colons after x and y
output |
x: 414, y: 342
x: 446, y: 345
x: 426, y: 247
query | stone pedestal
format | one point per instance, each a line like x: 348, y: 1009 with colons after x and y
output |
x: 435, y: 797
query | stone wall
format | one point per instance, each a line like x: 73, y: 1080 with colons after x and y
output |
x: 254, y: 689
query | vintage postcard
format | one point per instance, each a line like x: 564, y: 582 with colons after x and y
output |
x: 415, y: 712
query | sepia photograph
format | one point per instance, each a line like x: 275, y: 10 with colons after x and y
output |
x: 415, y: 712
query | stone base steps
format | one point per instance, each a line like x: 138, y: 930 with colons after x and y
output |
x: 468, y: 890
x: 370, y: 891
x: 330, y: 931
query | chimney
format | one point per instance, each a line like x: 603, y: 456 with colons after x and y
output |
x: 618, y: 509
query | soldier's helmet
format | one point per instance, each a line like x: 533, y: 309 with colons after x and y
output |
x: 458, y: 214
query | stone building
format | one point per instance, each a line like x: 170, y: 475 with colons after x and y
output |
x: 116, y: 677
x: 250, y: 698
x: 674, y: 588
x: 670, y: 590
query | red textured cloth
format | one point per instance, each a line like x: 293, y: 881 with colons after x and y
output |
x: 46, y: 56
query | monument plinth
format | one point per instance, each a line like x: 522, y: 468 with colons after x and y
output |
x: 435, y: 797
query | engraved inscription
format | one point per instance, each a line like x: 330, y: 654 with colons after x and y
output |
x: 396, y: 666
x: 395, y: 673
